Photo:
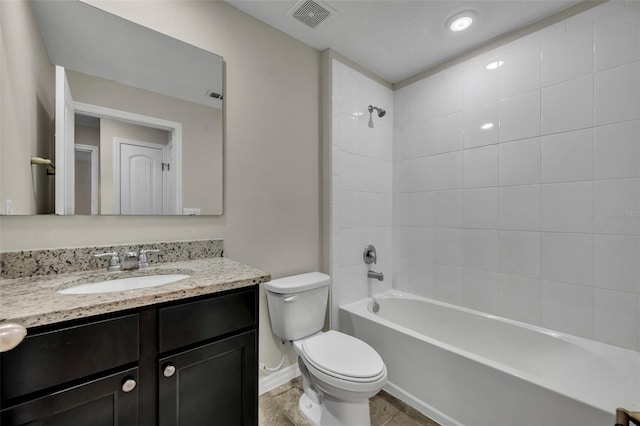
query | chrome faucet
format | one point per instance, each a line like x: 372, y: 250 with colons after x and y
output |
x: 130, y: 261
x: 377, y: 275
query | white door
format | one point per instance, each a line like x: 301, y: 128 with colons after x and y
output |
x: 141, y: 179
x: 65, y: 139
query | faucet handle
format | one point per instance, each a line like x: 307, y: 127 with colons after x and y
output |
x: 114, y: 261
x: 369, y: 255
x: 143, y: 260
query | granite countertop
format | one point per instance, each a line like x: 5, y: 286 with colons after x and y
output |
x: 33, y: 301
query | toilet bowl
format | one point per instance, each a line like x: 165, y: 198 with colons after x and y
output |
x: 340, y: 372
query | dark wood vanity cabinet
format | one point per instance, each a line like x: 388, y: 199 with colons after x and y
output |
x: 189, y: 362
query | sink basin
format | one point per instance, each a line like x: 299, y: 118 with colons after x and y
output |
x: 124, y: 284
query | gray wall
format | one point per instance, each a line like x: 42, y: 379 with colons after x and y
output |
x: 26, y: 94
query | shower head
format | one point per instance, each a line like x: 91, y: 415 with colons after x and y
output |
x: 381, y: 112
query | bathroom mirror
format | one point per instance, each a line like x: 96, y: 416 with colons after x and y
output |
x: 138, y: 127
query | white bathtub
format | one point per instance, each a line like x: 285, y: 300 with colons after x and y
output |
x: 463, y: 367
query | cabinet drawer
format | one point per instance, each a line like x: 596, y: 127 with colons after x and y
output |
x: 100, y: 402
x: 193, y: 322
x: 48, y: 359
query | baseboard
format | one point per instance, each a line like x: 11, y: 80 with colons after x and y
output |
x: 421, y: 406
x: 277, y: 378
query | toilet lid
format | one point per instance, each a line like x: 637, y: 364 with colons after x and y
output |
x: 339, y: 353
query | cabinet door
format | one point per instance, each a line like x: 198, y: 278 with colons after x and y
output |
x: 214, y: 384
x: 102, y: 402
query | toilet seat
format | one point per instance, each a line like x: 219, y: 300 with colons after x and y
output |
x: 343, y: 357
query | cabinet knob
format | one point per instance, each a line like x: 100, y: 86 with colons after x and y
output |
x: 169, y: 370
x: 128, y: 385
x: 11, y: 334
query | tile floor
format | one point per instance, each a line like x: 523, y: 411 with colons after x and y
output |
x: 279, y: 407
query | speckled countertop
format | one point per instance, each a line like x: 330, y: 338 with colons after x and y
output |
x: 33, y: 301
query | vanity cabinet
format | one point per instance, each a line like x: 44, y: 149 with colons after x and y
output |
x: 188, y: 362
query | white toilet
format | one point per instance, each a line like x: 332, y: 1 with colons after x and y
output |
x: 340, y: 373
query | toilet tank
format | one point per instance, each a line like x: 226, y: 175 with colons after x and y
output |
x: 297, y: 304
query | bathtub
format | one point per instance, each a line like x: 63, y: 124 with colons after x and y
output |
x: 463, y: 367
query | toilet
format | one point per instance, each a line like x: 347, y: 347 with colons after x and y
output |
x: 339, y: 372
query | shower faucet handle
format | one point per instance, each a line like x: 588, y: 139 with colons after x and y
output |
x: 369, y: 255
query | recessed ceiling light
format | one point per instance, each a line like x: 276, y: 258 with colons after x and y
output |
x: 461, y: 20
x: 486, y: 126
x: 495, y: 65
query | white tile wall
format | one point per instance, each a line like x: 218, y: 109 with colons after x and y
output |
x: 567, y: 55
x: 448, y: 171
x: 448, y: 284
x: 480, y: 249
x: 481, y: 125
x: 480, y: 290
x: 567, y: 257
x: 615, y: 316
x: 447, y: 94
x: 446, y: 133
x: 616, y: 262
x: 617, y: 150
x: 520, y: 207
x: 536, y: 218
x: 448, y: 246
x: 616, y: 94
x: 362, y: 183
x: 420, y: 209
x: 617, y: 204
x: 609, y: 52
x: 568, y: 156
x: 481, y: 167
x: 519, y: 253
x: 567, y: 207
x: 520, y: 71
x: 568, y: 308
x: 519, y: 298
x: 568, y: 105
x: 519, y: 162
x: 519, y: 116
x: 480, y: 84
x: 480, y: 208
x: 448, y: 210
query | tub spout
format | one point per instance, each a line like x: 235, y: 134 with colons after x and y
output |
x: 377, y: 275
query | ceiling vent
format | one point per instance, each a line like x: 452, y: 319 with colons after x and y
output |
x: 311, y: 12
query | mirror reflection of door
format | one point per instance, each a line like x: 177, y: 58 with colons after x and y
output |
x: 141, y: 186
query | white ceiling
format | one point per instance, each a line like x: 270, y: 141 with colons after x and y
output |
x: 397, y: 39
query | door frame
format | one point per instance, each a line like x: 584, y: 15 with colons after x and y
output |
x: 64, y: 141
x: 117, y: 143
x: 175, y: 138
x: 95, y: 176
